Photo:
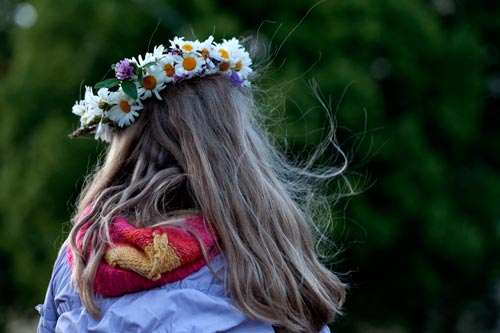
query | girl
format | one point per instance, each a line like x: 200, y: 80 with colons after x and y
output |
x: 193, y: 222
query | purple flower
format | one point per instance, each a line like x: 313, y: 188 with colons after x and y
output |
x: 124, y: 69
x: 179, y: 77
x: 236, y: 79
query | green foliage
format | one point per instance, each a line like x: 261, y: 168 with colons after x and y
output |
x: 109, y: 83
x: 425, y: 245
x: 130, y: 89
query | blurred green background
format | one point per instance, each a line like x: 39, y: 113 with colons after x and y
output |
x: 421, y: 244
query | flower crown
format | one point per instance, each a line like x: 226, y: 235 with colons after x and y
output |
x: 118, y: 100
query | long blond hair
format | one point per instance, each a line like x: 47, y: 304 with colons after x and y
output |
x: 202, y: 147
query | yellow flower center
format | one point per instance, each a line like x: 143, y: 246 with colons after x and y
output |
x: 149, y: 82
x: 224, y: 54
x: 125, y: 106
x: 238, y: 66
x: 205, y: 53
x: 169, y: 70
x: 224, y: 66
x: 187, y: 47
x: 189, y: 63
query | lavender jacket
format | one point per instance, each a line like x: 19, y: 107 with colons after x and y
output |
x: 195, y: 304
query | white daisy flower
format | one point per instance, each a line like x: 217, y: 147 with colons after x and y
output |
x: 103, y: 95
x: 186, y: 46
x: 103, y: 132
x: 225, y: 53
x: 98, y: 104
x: 177, y: 41
x: 153, y: 81
x: 140, y: 61
x: 93, y: 113
x: 124, y: 110
x: 80, y: 108
x: 86, y: 115
x: 188, y: 65
x: 158, y: 52
x: 207, y: 48
x: 88, y: 109
x: 167, y: 64
x: 89, y: 93
x: 242, y: 62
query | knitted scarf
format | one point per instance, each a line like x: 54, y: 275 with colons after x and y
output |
x: 144, y: 258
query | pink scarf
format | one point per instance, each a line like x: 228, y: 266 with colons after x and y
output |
x: 144, y: 258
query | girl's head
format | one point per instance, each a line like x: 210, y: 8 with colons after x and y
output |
x: 201, y: 147
x: 188, y: 140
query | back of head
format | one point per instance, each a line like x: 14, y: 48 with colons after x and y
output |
x: 201, y: 147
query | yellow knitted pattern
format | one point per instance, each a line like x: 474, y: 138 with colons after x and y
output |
x: 157, y: 258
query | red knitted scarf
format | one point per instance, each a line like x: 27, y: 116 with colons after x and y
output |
x: 144, y: 258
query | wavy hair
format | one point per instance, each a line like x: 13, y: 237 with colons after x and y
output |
x: 203, y: 147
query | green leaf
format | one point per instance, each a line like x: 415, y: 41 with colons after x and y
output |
x: 149, y: 64
x: 113, y: 66
x: 140, y: 76
x: 109, y: 83
x: 129, y: 89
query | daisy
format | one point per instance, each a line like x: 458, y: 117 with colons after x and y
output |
x: 101, y: 101
x: 97, y: 105
x: 140, y: 61
x: 158, y: 52
x: 88, y: 108
x: 103, y: 95
x: 206, y: 48
x: 186, y: 46
x: 153, y: 81
x: 225, y: 53
x: 80, y: 108
x: 167, y: 64
x: 103, y: 132
x: 188, y: 65
x: 124, y: 110
x: 242, y: 62
x: 85, y: 116
x: 92, y: 114
x: 89, y: 93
